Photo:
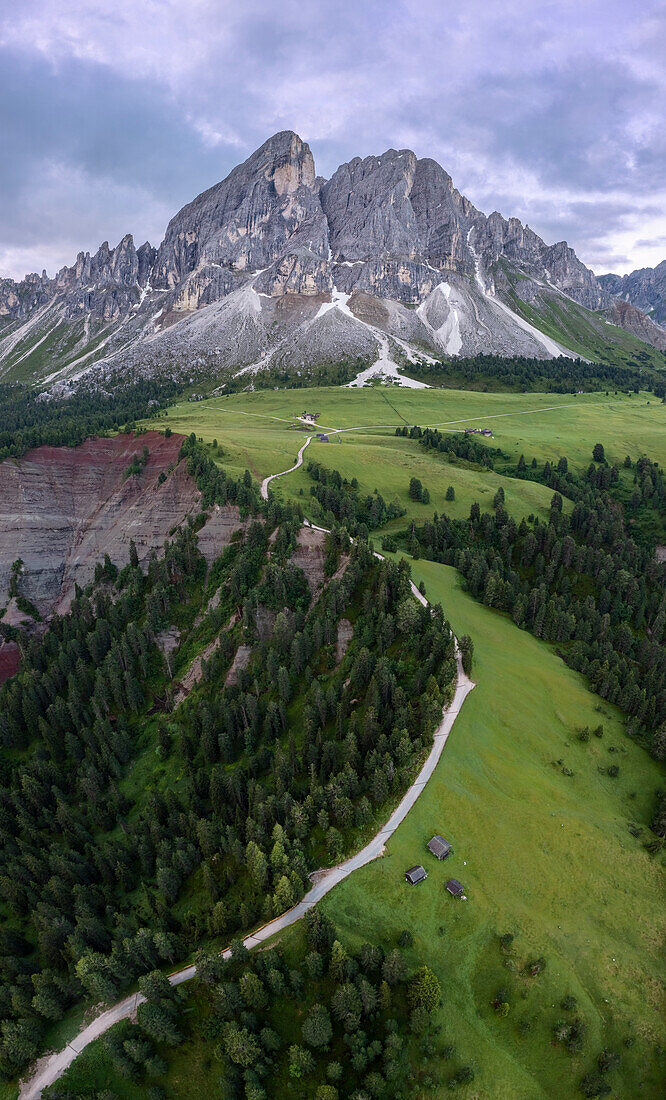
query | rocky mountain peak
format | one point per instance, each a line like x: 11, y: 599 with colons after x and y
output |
x: 289, y: 162
x: 319, y: 267
x: 367, y: 207
x: 644, y: 288
x: 244, y: 223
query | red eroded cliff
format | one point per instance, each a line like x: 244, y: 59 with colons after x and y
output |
x: 62, y: 509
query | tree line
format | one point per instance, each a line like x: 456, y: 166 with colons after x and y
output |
x: 558, y: 375
x: 643, y: 504
x: 278, y: 767
x: 341, y: 503
x: 580, y: 581
x: 29, y: 419
x: 320, y: 1018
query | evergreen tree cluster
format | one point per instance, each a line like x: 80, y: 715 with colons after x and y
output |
x: 103, y: 879
x: 341, y: 503
x: 580, y: 581
x: 560, y: 375
x: 644, y: 504
x: 314, y: 1018
x: 30, y: 420
x: 454, y: 444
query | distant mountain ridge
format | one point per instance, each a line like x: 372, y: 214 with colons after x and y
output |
x: 384, y: 263
x: 644, y: 288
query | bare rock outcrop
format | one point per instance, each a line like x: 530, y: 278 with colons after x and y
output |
x: 644, y: 288
x: 310, y: 556
x: 62, y: 509
x: 239, y: 664
x: 634, y: 320
x: 344, y: 637
x: 255, y: 271
x: 10, y: 658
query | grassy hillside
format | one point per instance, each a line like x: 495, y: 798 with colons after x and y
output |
x: 547, y: 844
x: 542, y: 855
x: 587, y: 333
x: 545, y: 856
x: 253, y: 432
x: 387, y: 463
x: 253, y: 427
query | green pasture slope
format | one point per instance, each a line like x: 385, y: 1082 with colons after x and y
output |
x: 545, y: 856
x: 255, y: 426
x: 253, y: 432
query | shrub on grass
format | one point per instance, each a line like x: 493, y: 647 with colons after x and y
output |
x: 419, y: 1020
x: 607, y: 1061
x: 463, y: 1077
x: 424, y: 990
x: 593, y: 1084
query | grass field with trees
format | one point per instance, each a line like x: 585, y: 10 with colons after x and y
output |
x: 550, y: 976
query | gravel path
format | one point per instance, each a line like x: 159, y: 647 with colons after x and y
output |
x: 299, y: 462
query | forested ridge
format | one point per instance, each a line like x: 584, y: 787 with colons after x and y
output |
x: 559, y: 375
x: 579, y: 580
x: 31, y: 420
x: 132, y: 828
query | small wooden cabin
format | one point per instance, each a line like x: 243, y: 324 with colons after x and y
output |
x: 416, y: 874
x: 455, y: 888
x: 439, y: 847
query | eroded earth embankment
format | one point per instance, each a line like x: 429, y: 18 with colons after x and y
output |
x: 63, y: 508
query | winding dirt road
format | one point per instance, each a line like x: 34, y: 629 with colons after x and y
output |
x: 52, y: 1066
x: 299, y: 462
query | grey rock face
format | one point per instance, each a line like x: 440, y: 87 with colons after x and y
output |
x: 270, y: 265
x: 103, y: 286
x: 443, y: 215
x: 635, y: 321
x: 18, y: 300
x: 265, y: 216
x: 644, y: 288
x: 395, y: 222
x: 497, y: 239
x: 368, y: 209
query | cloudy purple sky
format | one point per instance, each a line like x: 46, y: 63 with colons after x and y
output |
x: 113, y: 113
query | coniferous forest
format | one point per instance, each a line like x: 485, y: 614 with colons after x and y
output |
x: 582, y: 581
x: 139, y: 817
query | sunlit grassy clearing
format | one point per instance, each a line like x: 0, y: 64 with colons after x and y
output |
x: 543, y: 855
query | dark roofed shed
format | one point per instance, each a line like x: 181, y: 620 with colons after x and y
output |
x: 439, y: 847
x: 456, y: 888
x: 416, y: 874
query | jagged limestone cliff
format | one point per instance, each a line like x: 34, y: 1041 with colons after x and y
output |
x: 275, y: 266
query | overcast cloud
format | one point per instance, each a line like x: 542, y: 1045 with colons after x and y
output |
x: 113, y: 113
